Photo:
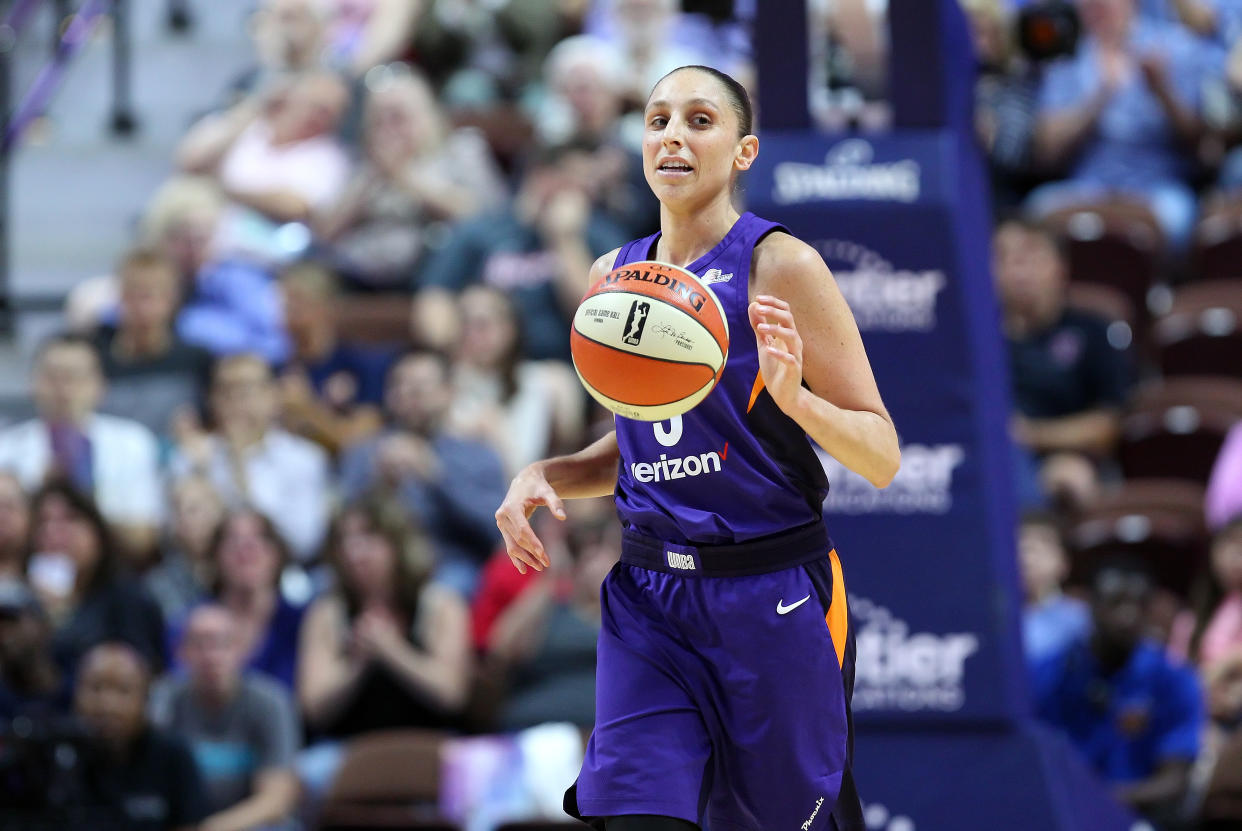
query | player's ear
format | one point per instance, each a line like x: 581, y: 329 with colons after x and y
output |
x: 747, y: 151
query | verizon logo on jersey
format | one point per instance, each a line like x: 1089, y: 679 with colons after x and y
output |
x: 665, y: 468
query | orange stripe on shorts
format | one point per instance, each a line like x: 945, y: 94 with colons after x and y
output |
x: 838, y: 616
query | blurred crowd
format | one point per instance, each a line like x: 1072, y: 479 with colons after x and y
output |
x: 1112, y: 128
x: 251, y: 518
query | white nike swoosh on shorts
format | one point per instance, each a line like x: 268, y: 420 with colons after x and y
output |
x: 782, y: 609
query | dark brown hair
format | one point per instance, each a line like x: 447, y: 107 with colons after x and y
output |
x: 222, y: 530
x: 412, y: 551
x: 83, y: 506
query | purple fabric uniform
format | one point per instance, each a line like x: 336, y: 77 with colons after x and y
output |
x: 688, y: 478
x: 725, y: 660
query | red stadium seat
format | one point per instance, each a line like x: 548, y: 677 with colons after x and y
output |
x: 1175, y: 428
x: 1217, y: 253
x: 1116, y: 243
x: 389, y: 779
x: 1113, y: 305
x: 1158, y: 521
x: 377, y: 319
x: 1200, y: 334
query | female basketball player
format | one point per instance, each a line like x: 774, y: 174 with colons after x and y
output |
x: 725, y: 660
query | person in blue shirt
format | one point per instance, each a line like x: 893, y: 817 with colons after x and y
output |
x: 1051, y: 621
x: 1122, y: 116
x: 330, y: 389
x: 1135, y: 714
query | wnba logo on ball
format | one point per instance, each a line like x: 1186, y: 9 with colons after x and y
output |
x: 635, y: 322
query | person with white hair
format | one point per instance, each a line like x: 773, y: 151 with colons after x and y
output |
x: 584, y: 105
x: 417, y: 172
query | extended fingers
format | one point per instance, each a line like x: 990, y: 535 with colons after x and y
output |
x: 770, y: 300
x: 785, y: 332
x: 776, y: 314
x: 519, y: 556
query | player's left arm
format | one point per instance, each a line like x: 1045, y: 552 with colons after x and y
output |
x: 806, y: 332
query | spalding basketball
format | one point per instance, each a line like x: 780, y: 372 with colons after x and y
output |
x: 649, y: 341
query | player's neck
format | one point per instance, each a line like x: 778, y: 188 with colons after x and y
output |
x: 687, y: 234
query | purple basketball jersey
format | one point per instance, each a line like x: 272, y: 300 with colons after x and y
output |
x: 735, y: 467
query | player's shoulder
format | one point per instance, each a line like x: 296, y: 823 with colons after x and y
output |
x: 604, y: 264
x: 781, y: 255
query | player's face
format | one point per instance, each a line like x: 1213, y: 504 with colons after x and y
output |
x: 691, y: 146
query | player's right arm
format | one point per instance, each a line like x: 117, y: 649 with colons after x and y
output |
x: 591, y: 471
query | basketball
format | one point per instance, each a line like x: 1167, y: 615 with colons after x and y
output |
x: 649, y: 340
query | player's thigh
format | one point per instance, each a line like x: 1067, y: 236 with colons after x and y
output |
x: 649, y: 751
x: 785, y: 728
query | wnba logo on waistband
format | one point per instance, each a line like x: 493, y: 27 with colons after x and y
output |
x: 678, y: 560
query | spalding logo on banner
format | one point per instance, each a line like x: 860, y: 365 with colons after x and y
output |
x: 849, y: 171
x: 923, y: 485
x: 897, y: 670
x: 882, y: 298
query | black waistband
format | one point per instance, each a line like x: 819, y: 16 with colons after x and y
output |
x: 774, y: 553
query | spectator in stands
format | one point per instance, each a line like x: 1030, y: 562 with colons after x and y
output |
x: 388, y: 648
x: 31, y: 683
x: 248, y: 557
x: 143, y: 778
x: 538, y: 250
x: 331, y: 390
x: 14, y: 526
x: 450, y: 485
x: 583, y: 106
x: 525, y: 409
x: 152, y: 373
x: 546, y: 638
x: 1006, y: 94
x: 251, y: 461
x: 367, y: 34
x: 77, y: 572
x: 228, y: 305
x: 277, y: 161
x: 480, y: 54
x: 652, y: 40
x: 1213, y: 631
x: 1122, y: 117
x: 1050, y: 621
x: 848, y: 62
x: 289, y: 37
x: 115, y: 459
x: 1217, y: 778
x: 240, y: 726
x: 1070, y: 382
x: 185, y: 573
x: 1136, y: 716
x: 418, y: 173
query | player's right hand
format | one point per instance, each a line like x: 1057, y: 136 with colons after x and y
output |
x: 527, y: 492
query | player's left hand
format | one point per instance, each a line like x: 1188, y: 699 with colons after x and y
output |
x: 780, y: 348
